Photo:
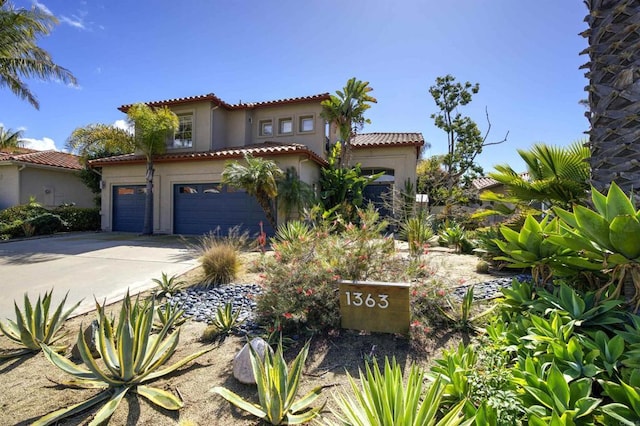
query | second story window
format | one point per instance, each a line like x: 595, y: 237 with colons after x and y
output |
x: 306, y: 124
x: 285, y: 126
x: 183, y: 137
x: 266, y: 128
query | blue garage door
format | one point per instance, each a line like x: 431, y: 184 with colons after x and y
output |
x: 201, y: 208
x: 128, y: 208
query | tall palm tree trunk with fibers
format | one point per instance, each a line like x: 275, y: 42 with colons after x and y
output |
x: 614, y: 92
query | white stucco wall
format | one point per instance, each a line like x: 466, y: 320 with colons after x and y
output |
x: 403, y: 160
x: 9, y: 186
x: 53, y: 187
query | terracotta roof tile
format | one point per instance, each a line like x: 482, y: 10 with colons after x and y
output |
x: 261, y: 150
x: 381, y: 140
x: 44, y: 158
x: 216, y: 100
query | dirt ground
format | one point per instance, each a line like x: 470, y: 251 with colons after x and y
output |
x: 30, y: 385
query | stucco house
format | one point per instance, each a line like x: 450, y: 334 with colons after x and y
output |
x: 188, y: 195
x: 48, y: 176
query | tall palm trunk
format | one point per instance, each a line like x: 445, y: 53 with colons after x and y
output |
x: 147, y: 227
x: 614, y: 92
x: 265, y: 203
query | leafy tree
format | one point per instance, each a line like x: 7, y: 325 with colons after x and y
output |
x: 342, y: 188
x: 98, y: 141
x: 152, y: 128
x: 20, y: 56
x: 346, y: 111
x: 10, y: 139
x: 259, y: 177
x: 464, y: 139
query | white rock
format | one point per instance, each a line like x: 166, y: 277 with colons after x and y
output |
x: 242, y: 369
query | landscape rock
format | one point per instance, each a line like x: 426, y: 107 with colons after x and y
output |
x: 242, y: 369
x: 89, y: 337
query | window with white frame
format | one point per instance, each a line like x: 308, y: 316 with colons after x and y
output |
x: 266, y: 127
x: 285, y: 126
x: 183, y: 136
x: 306, y: 124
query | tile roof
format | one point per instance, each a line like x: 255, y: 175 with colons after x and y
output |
x: 44, y: 158
x: 381, y: 140
x: 241, y: 105
x: 262, y: 150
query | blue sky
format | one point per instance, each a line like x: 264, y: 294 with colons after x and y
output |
x: 524, y: 54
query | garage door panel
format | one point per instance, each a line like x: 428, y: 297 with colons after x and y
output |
x: 128, y: 208
x: 201, y: 208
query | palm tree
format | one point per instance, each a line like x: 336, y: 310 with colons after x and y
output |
x: 20, y: 57
x: 10, y: 139
x: 558, y: 176
x: 294, y: 194
x: 614, y: 60
x: 259, y: 177
x: 100, y: 140
x: 152, y: 128
x: 346, y: 112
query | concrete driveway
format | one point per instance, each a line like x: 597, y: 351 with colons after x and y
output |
x: 103, y: 265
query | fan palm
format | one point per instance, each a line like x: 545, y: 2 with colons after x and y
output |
x: 96, y: 140
x: 20, y: 57
x: 10, y: 139
x: 556, y: 175
x: 346, y: 111
x: 152, y: 128
x: 258, y: 177
x: 614, y: 59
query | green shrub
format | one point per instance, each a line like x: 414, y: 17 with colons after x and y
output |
x: 79, y: 218
x: 454, y: 236
x: 418, y: 232
x: 220, y: 263
x: 44, y: 224
x: 21, y: 212
x: 292, y: 230
x: 300, y: 281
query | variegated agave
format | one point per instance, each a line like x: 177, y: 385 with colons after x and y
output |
x: 34, y: 327
x: 132, y: 356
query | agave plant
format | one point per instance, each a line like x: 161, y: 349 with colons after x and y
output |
x: 291, y: 231
x: 384, y: 400
x: 131, y: 355
x: 225, y: 319
x: 461, y: 318
x: 277, y: 389
x: 171, y: 314
x: 454, y: 236
x: 34, y: 327
x: 531, y: 248
x: 168, y: 286
x: 608, y: 237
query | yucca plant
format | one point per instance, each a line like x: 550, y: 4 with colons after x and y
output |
x: 132, y: 356
x: 277, y: 389
x: 608, y: 237
x: 35, y: 327
x: 292, y: 231
x: 461, y: 317
x: 168, y: 286
x: 382, y: 399
x: 417, y: 231
x: 453, y: 236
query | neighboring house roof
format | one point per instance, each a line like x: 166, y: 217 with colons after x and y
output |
x: 262, y: 150
x: 382, y: 140
x: 487, y: 182
x: 43, y: 158
x: 241, y: 105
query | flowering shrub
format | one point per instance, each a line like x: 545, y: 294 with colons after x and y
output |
x: 301, y: 280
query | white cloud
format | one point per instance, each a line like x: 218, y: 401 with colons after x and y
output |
x: 44, y: 144
x: 74, y: 21
x: 42, y: 7
x: 122, y: 124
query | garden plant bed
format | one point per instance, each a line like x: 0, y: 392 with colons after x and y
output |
x: 31, y: 389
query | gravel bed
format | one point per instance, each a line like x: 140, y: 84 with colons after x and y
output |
x: 201, y: 304
x: 488, y: 289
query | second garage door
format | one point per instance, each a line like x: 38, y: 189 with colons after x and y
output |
x: 200, y: 208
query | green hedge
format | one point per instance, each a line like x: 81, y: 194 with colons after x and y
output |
x: 29, y: 219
